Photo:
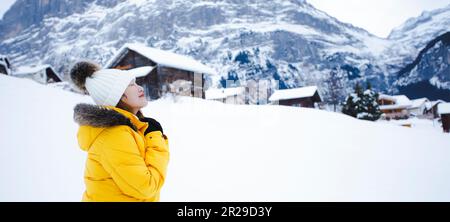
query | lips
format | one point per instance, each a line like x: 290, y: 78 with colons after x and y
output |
x: 141, y: 95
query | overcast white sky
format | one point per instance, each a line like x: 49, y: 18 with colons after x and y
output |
x: 4, y: 6
x: 376, y: 16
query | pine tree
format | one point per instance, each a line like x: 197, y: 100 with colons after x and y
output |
x: 362, y: 105
x: 370, y: 102
x: 348, y: 107
x: 352, y: 102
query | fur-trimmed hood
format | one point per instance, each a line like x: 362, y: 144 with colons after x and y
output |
x: 99, y: 116
x: 93, y: 119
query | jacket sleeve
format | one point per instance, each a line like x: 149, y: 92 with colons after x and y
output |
x: 157, y: 152
x: 134, y: 175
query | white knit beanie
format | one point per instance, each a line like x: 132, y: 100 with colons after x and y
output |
x: 105, y: 86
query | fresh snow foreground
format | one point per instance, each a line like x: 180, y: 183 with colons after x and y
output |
x: 227, y: 152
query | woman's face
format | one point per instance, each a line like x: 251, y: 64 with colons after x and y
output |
x: 134, y: 96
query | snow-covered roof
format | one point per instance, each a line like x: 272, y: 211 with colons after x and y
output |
x: 431, y: 104
x: 416, y: 103
x: 386, y: 97
x: 223, y: 93
x: 444, y: 108
x: 30, y: 70
x: 142, y: 71
x: 164, y: 58
x: 400, y: 102
x: 24, y: 70
x: 296, y: 93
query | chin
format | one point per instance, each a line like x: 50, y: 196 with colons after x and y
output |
x: 144, y: 103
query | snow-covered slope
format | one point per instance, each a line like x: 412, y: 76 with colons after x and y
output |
x: 227, y: 152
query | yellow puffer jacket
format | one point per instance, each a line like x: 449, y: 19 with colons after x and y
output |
x: 122, y: 164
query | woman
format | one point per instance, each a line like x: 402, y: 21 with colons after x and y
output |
x: 127, y: 153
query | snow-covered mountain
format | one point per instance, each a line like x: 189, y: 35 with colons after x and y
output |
x: 429, y: 74
x: 25, y: 13
x: 243, y: 40
x: 287, y: 40
x: 423, y: 47
x: 417, y: 32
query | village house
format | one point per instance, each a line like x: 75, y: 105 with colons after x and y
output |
x: 234, y: 95
x: 418, y: 107
x: 431, y: 110
x: 5, y: 66
x: 164, y: 72
x: 43, y: 74
x: 444, y: 112
x: 300, y: 97
x: 394, y: 107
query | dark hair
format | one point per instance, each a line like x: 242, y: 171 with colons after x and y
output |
x: 124, y: 106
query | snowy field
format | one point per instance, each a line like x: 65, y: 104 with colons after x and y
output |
x: 227, y: 152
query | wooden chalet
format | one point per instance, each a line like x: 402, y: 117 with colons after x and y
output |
x: 234, y: 95
x: 394, y: 107
x: 43, y: 74
x: 164, y: 72
x: 300, y: 97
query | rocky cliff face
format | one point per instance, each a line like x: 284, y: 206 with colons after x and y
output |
x: 25, y: 13
x: 429, y: 74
